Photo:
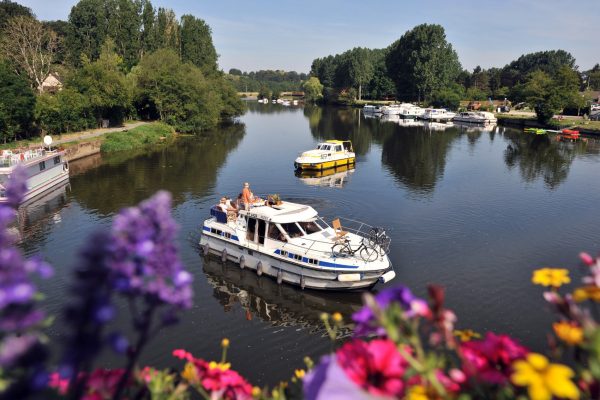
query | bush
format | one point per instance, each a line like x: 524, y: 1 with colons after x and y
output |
x: 137, y: 137
x: 67, y: 111
x: 17, y: 103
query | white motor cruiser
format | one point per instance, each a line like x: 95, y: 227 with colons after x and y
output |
x: 438, y: 114
x: 392, y: 109
x: 476, y: 117
x: 410, y: 111
x: 291, y: 243
x: 371, y: 109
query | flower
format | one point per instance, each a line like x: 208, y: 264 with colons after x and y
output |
x: 587, y: 293
x: 568, y: 332
x: 466, y: 335
x: 337, y: 317
x: 490, y: 359
x: 417, y: 392
x: 554, y: 277
x: 16, y: 187
x: 412, y: 306
x: 225, y: 343
x: 376, y: 366
x: 145, y: 259
x: 543, y: 379
x: 299, y: 373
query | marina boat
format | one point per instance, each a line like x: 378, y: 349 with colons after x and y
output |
x: 291, y: 243
x: 536, y: 131
x: 437, y: 114
x: 476, y: 117
x: 392, y: 109
x: 295, y: 102
x: 410, y: 111
x: 286, y: 103
x: 371, y: 109
x: 568, y: 135
x: 329, y: 154
x: 390, y: 117
x: 45, y: 169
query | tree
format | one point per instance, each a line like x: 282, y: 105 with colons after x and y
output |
x: 313, y: 89
x: 196, y: 44
x: 547, y: 61
x: 89, y: 27
x: 103, y: 83
x: 235, y: 71
x: 148, y: 33
x: 448, y: 96
x: 61, y: 29
x: 548, y: 95
x: 29, y: 47
x: 10, y: 9
x: 360, y: 68
x: 594, y: 78
x: 422, y: 61
x: 17, y: 103
x: 124, y: 27
x: 167, y: 30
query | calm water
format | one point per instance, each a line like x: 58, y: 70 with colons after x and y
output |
x: 475, y: 210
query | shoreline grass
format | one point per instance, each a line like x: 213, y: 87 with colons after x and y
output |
x: 136, y: 138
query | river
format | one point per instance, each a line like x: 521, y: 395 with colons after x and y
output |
x: 473, y: 209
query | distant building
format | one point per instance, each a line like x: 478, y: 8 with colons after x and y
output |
x: 52, y: 83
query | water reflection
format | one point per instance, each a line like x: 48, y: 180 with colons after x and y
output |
x: 182, y: 168
x: 279, y: 305
x: 537, y: 157
x: 332, y: 177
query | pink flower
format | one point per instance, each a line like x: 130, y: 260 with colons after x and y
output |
x: 490, y: 359
x: 587, y: 259
x: 102, y: 383
x: 183, y: 355
x: 56, y: 382
x: 376, y: 366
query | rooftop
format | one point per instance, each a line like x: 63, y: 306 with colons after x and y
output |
x: 283, y: 213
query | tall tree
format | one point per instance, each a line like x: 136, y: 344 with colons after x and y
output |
x: 422, y: 61
x: 30, y: 48
x: 148, y: 34
x: 10, y: 9
x: 196, y: 44
x: 360, y: 68
x: 17, y: 103
x: 313, y: 90
x: 167, y: 30
x: 89, y: 27
x: 547, y: 61
x: 124, y: 26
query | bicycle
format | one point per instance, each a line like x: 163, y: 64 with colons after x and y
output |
x: 367, y: 253
x: 378, y: 238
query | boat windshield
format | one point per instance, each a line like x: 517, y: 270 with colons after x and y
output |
x: 292, y: 229
x: 323, y: 146
x: 310, y: 227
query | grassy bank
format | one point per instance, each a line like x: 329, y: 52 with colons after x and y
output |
x: 585, y: 126
x: 137, y: 137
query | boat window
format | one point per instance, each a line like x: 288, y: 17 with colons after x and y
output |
x: 262, y: 226
x: 274, y: 233
x: 250, y: 229
x: 338, y: 148
x: 56, y: 160
x: 292, y: 229
x: 42, y: 165
x: 310, y: 227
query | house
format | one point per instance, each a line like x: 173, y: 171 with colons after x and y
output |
x: 52, y: 83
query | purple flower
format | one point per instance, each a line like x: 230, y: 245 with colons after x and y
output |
x: 16, y: 187
x: 412, y: 306
x: 145, y: 259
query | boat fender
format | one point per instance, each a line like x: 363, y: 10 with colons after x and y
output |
x: 259, y: 269
x: 224, y: 255
x: 302, y: 282
x: 242, y: 262
x: 205, y: 249
x: 279, y: 277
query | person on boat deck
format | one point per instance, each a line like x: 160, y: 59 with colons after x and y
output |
x: 247, y: 196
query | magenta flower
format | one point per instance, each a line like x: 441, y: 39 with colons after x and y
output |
x: 412, y: 306
x: 490, y: 359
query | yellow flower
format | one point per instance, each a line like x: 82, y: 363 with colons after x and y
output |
x: 300, y: 373
x: 221, y: 366
x: 554, y: 277
x: 569, y: 333
x: 225, y: 342
x: 466, y: 335
x: 337, y: 317
x: 417, y: 393
x: 256, y: 391
x: 544, y: 380
x: 587, y: 293
x: 190, y: 373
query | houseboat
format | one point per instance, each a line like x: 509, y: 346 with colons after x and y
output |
x: 476, y: 117
x: 290, y: 243
x: 371, y: 109
x: 329, y: 154
x: 437, y: 114
x: 392, y: 109
x: 45, y: 170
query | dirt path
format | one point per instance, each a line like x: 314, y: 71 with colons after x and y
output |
x: 73, y: 137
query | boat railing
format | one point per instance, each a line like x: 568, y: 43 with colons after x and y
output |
x: 8, y: 158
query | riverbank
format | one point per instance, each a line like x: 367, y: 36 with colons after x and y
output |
x: 585, y: 127
x: 135, y: 138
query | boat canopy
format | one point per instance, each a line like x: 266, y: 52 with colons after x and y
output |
x: 346, y: 143
x: 284, y: 213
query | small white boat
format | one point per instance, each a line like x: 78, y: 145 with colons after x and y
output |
x: 411, y: 111
x: 274, y: 101
x: 291, y: 243
x: 45, y: 170
x: 437, y: 114
x: 295, y: 102
x: 279, y: 101
x: 329, y: 154
x: 286, y: 103
x: 371, y: 109
x: 392, y: 109
x: 476, y: 117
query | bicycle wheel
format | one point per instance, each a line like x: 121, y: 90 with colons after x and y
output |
x: 369, y: 254
x: 373, y: 237
x: 339, y: 250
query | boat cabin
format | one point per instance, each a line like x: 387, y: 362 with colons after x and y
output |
x: 336, y: 146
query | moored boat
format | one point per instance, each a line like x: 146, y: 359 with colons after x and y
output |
x: 291, y: 243
x: 329, y: 154
x: 45, y: 169
x: 371, y: 109
x: 411, y: 111
x: 437, y: 114
x: 476, y: 117
x: 536, y: 131
x: 392, y: 109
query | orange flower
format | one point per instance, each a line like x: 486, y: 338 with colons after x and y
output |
x: 587, y: 293
x: 568, y: 332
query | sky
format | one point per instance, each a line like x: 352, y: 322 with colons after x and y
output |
x: 288, y: 35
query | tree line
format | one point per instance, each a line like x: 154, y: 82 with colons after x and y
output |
x: 269, y: 83
x: 116, y: 59
x: 423, y: 66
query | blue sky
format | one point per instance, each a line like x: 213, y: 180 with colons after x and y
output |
x: 285, y: 34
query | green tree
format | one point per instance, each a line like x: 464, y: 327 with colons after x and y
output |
x: 360, y: 68
x: 89, y: 27
x: 10, y: 9
x: 67, y: 111
x: 547, y: 61
x: 448, y: 96
x: 196, y: 44
x: 17, y: 103
x: 313, y: 89
x: 167, y: 30
x: 548, y: 95
x: 148, y: 32
x: 103, y: 83
x: 124, y: 26
x: 594, y: 78
x: 422, y: 61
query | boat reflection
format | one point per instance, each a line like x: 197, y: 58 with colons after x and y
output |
x: 470, y: 127
x: 437, y: 126
x: 410, y: 122
x: 280, y: 305
x: 332, y: 177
